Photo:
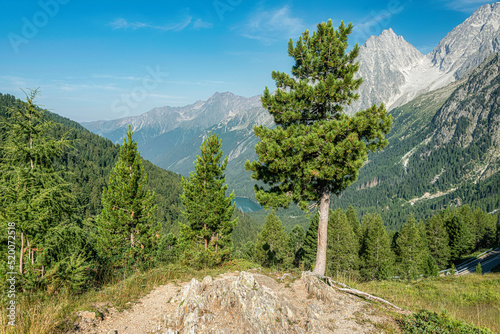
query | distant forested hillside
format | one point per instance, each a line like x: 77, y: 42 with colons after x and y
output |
x: 87, y: 164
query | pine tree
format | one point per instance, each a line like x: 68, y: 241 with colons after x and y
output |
x: 479, y: 270
x: 295, y: 243
x: 356, y: 225
x: 33, y: 195
x: 411, y: 254
x: 342, y: 251
x: 272, y: 242
x: 431, y: 268
x: 485, y: 229
x: 438, y: 240
x: 315, y: 149
x: 459, y: 236
x: 207, y: 236
x: 376, y: 255
x: 311, y: 243
x: 127, y: 228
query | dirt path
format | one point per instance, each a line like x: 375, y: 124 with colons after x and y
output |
x: 143, y: 317
x: 333, y: 311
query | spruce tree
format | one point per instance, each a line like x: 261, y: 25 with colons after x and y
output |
x: 127, y: 228
x: 33, y: 195
x: 355, y: 224
x: 311, y: 243
x: 295, y: 243
x: 271, y: 246
x: 438, y: 240
x: 342, y: 251
x: 315, y: 149
x: 376, y: 255
x: 459, y: 236
x: 411, y: 254
x: 206, y: 238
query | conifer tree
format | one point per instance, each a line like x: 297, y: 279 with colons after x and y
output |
x: 342, y: 251
x: 356, y: 225
x: 479, y: 270
x: 431, y: 268
x: 295, y: 243
x: 207, y: 236
x: 485, y: 229
x: 315, y: 149
x: 33, y: 194
x: 272, y: 242
x: 438, y: 240
x: 127, y: 228
x: 311, y: 243
x: 459, y: 236
x: 376, y: 255
x: 411, y: 254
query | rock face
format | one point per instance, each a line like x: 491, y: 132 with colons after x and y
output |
x: 253, y: 303
x: 395, y: 72
x: 470, y: 43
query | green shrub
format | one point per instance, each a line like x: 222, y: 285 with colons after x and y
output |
x: 433, y: 323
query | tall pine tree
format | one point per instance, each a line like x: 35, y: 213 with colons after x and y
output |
x: 272, y: 243
x: 438, y: 240
x: 33, y: 194
x: 376, y: 255
x: 207, y: 236
x: 342, y: 251
x: 315, y: 149
x: 411, y: 251
x: 127, y: 228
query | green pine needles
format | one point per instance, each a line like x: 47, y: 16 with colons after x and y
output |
x: 33, y: 195
x: 316, y: 149
x: 206, y: 238
x: 127, y: 228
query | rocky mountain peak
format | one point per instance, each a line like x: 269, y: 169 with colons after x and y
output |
x: 470, y: 43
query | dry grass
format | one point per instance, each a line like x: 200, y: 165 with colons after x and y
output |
x: 472, y: 298
x: 42, y: 313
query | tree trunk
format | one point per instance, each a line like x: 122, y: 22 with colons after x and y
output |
x: 324, y: 207
x: 132, y: 239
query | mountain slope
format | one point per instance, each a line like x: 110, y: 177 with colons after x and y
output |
x: 470, y: 43
x: 443, y: 150
x: 394, y: 72
x: 86, y: 167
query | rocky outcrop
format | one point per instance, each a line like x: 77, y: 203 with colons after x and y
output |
x: 254, y: 303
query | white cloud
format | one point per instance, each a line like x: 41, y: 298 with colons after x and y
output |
x: 121, y: 23
x: 200, y: 24
x: 467, y: 6
x: 270, y: 26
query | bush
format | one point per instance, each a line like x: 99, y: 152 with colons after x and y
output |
x: 433, y: 323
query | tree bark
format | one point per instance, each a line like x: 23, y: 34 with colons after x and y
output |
x: 324, y: 207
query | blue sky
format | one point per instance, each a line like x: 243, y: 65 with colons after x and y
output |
x: 109, y: 59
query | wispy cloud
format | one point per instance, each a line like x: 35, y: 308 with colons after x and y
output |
x: 270, y: 26
x: 200, y: 24
x: 121, y: 23
x: 467, y: 6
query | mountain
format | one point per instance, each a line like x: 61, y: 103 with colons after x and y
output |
x: 395, y: 72
x: 87, y: 163
x: 470, y: 43
x: 444, y: 150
